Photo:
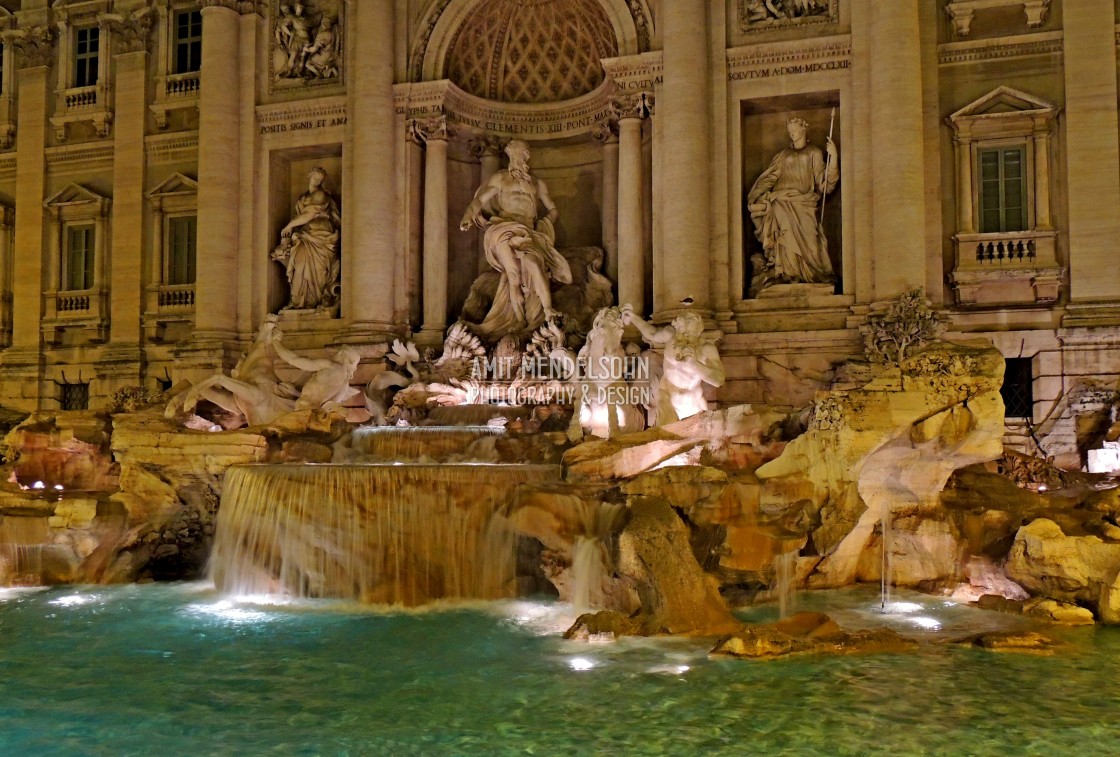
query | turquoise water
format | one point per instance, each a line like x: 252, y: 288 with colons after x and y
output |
x: 174, y: 670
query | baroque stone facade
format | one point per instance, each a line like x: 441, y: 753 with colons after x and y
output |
x: 153, y: 152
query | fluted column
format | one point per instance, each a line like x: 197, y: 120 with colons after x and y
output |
x: 607, y: 134
x: 898, y: 153
x: 434, y: 133
x: 1092, y: 151
x: 126, y: 284
x: 370, y: 232
x: 219, y: 163
x: 683, y: 114
x: 630, y: 110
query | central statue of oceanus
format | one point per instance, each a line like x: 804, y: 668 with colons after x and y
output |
x: 519, y: 245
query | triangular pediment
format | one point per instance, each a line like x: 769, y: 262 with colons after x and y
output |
x: 1003, y: 100
x: 175, y: 185
x: 75, y: 194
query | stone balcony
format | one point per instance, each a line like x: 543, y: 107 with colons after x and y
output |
x: 169, y: 312
x: 83, y: 310
x: 1011, y: 268
x: 76, y: 104
x: 175, y: 92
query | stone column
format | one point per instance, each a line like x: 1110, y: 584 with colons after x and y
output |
x: 22, y: 363
x: 1042, y: 219
x: 1092, y: 150
x: 488, y: 150
x: 683, y: 114
x: 126, y: 283
x: 435, y: 133
x: 607, y: 134
x: 630, y: 110
x: 965, y: 223
x: 898, y: 146
x: 371, y: 227
x: 219, y: 166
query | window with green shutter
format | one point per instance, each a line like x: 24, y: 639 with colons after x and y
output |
x: 182, y: 236
x: 77, y: 273
x: 1003, y: 189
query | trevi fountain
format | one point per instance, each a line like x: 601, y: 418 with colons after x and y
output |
x: 543, y: 516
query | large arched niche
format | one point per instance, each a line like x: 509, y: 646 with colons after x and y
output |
x: 441, y: 21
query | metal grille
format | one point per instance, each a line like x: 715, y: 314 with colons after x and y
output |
x: 75, y: 396
x: 1018, y: 389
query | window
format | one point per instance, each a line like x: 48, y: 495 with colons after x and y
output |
x: 87, y: 42
x: 77, y: 272
x: 75, y: 397
x: 188, y: 41
x: 182, y: 235
x: 1003, y: 189
x: 1018, y: 388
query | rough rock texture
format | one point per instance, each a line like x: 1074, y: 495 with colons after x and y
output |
x: 807, y: 633
x: 886, y: 441
x: 1080, y: 569
x: 1023, y: 642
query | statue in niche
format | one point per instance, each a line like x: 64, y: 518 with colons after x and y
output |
x: 690, y: 361
x: 308, y: 248
x: 785, y: 205
x: 519, y: 245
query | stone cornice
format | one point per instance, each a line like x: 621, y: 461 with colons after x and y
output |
x: 1000, y: 48
x: 634, y: 73
x: 69, y: 158
x: 302, y: 110
x: 789, y: 58
x: 172, y: 148
x: 442, y: 98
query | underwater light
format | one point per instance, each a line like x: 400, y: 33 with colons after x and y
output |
x: 904, y: 607
x: 581, y: 663
x: 72, y: 600
x: 926, y: 622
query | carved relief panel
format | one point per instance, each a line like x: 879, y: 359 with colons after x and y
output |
x: 307, y: 47
x: 760, y: 15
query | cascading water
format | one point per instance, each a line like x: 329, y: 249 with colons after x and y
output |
x: 392, y: 534
x: 589, y: 558
x: 785, y: 579
x: 440, y: 443
x: 886, y: 569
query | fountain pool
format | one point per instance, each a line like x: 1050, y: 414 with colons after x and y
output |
x: 177, y: 669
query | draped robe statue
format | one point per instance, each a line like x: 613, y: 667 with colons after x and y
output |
x: 309, y: 248
x: 784, y: 204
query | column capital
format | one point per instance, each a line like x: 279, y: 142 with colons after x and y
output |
x: 487, y: 146
x: 606, y: 132
x: 237, y: 6
x: 632, y: 105
x: 33, y: 46
x: 132, y: 32
x: 426, y: 130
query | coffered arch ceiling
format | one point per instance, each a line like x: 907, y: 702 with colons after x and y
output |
x: 527, y: 51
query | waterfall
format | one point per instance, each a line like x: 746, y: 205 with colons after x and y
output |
x: 589, y: 555
x: 886, y: 569
x: 391, y: 534
x: 785, y: 580
x: 419, y: 443
x: 24, y: 564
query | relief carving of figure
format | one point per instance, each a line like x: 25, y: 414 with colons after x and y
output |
x: 777, y: 10
x: 519, y: 244
x: 690, y: 360
x: 308, y: 248
x: 322, y: 56
x: 785, y: 203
